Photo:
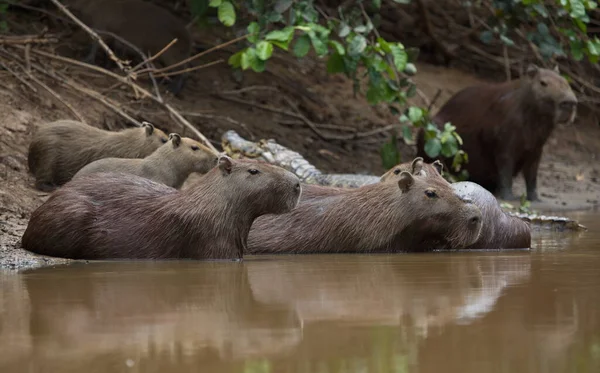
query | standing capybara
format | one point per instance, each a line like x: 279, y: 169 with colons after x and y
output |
x: 147, y: 26
x: 59, y: 149
x: 414, y: 214
x: 171, y: 164
x: 499, y: 230
x: 116, y: 215
x: 504, y: 127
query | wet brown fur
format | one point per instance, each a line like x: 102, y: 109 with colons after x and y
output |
x: 171, y: 164
x: 499, y: 230
x: 505, y: 126
x: 115, y: 215
x: 59, y: 149
x: 383, y: 217
x: 143, y: 24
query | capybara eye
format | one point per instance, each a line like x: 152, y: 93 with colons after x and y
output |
x: 430, y: 193
x: 397, y: 171
x: 543, y: 83
x: 253, y: 171
x: 164, y: 140
x: 194, y: 147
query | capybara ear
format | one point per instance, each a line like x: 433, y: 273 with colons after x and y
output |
x: 406, y: 181
x: 532, y: 70
x: 438, y: 166
x: 416, y: 165
x: 225, y: 164
x: 556, y: 69
x: 149, y: 128
x: 176, y: 139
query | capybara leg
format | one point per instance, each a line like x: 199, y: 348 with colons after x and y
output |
x: 505, y: 177
x: 530, y: 171
x: 176, y: 84
x: 45, y: 187
x: 91, y: 57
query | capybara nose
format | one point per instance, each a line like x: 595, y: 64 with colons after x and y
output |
x: 297, y: 187
x: 475, y: 220
x: 568, y: 104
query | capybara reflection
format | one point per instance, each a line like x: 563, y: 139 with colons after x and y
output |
x: 171, y: 164
x: 59, y: 149
x: 147, y: 26
x: 413, y: 214
x: 504, y: 127
x: 499, y: 230
x: 116, y: 215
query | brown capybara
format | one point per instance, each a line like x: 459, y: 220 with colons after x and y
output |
x: 170, y: 164
x: 414, y: 214
x: 59, y: 149
x: 504, y: 127
x: 499, y: 230
x: 116, y: 215
x: 147, y: 26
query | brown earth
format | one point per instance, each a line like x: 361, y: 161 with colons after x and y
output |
x: 568, y: 178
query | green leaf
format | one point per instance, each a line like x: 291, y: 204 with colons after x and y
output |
x: 339, y: 48
x: 593, y: 47
x: 377, y: 3
x: 282, y: 5
x: 357, y: 45
x: 344, y: 30
x: 577, y: 9
x: 215, y: 3
x: 254, y: 30
x: 415, y: 114
x: 236, y: 59
x: 577, y: 50
x: 581, y: 25
x: 486, y: 37
x: 385, y: 46
x: 402, y: 1
x: 264, y: 50
x: 318, y: 44
x: 302, y: 46
x: 226, y: 14
x: 245, y: 58
x: 540, y: 9
x: 284, y: 35
x: 433, y: 147
x: 360, y: 29
x: 410, y: 69
x: 543, y: 29
x: 390, y: 156
x: 407, y: 134
x: 506, y: 40
x: 335, y: 64
x: 449, y: 147
x: 399, y: 55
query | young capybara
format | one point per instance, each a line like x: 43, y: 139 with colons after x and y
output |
x: 116, y: 215
x: 147, y: 26
x: 171, y: 164
x: 499, y: 230
x: 504, y: 127
x: 59, y: 149
x: 414, y: 214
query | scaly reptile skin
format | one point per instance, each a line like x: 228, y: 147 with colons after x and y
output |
x: 269, y: 151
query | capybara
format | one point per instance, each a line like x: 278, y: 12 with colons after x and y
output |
x: 414, y: 214
x: 59, y: 149
x: 115, y: 215
x: 171, y: 164
x: 504, y: 127
x: 499, y: 230
x: 147, y: 26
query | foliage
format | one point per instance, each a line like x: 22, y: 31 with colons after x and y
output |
x: 3, y: 10
x: 390, y: 155
x: 351, y: 46
x: 558, y: 25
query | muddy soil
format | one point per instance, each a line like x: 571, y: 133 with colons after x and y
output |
x: 569, y: 172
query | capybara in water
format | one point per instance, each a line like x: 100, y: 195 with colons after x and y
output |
x: 116, y: 215
x: 414, y: 214
x: 59, y: 149
x: 499, y: 230
x: 147, y: 26
x: 171, y: 164
x: 504, y: 127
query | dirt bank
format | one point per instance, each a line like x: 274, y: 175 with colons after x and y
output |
x: 568, y: 179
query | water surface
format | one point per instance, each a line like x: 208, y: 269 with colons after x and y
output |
x: 520, y: 311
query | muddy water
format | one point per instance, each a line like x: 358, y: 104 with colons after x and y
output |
x: 536, y: 311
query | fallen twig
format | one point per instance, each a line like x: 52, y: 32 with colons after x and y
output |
x: 27, y: 39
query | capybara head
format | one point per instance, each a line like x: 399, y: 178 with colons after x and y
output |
x: 154, y: 135
x: 438, y: 212
x: 417, y: 167
x: 269, y: 189
x: 553, y: 92
x: 191, y: 153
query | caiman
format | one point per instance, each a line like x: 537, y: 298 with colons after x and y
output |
x: 270, y: 151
